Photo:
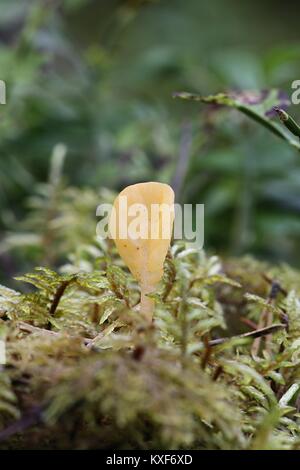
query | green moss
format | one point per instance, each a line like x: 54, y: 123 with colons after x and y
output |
x: 84, y: 371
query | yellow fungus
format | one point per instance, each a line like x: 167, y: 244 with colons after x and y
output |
x: 141, y: 225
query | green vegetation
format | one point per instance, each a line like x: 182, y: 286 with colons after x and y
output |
x: 105, y: 94
x: 99, y: 76
x: 84, y: 371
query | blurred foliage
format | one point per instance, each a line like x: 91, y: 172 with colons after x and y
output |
x: 98, y: 77
x: 61, y: 220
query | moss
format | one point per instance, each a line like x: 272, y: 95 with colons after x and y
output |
x: 84, y: 370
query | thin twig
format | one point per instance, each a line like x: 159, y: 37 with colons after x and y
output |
x: 251, y: 334
x: 58, y: 295
x: 42, y: 331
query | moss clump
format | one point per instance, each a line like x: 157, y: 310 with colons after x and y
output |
x: 84, y: 370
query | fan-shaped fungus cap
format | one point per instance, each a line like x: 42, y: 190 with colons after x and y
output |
x: 141, y: 225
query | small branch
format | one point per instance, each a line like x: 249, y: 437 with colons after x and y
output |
x: 35, y: 329
x: 251, y: 334
x: 42, y: 331
x: 58, y: 295
x: 89, y: 342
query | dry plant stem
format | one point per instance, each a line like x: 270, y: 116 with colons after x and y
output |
x: 258, y: 333
x: 90, y: 342
x: 58, y: 295
x: 35, y: 329
x: 26, y: 327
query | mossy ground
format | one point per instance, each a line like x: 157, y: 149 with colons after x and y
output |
x: 84, y: 371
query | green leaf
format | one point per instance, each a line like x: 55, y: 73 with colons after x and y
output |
x: 256, y: 112
x: 250, y: 375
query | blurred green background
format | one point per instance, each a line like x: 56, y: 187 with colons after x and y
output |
x: 97, y: 77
